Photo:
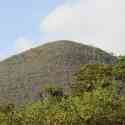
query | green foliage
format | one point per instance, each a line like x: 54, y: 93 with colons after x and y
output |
x: 121, y: 60
x: 53, y: 90
x: 91, y: 76
x: 119, y: 69
x: 101, y: 107
x: 94, y: 101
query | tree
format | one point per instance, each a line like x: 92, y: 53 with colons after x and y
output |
x: 8, y: 111
x: 92, y: 75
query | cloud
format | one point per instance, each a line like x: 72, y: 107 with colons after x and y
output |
x: 23, y: 44
x: 2, y: 56
x: 102, y: 22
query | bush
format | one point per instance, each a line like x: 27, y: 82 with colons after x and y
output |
x: 94, y: 101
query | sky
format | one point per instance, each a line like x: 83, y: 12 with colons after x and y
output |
x: 25, y: 24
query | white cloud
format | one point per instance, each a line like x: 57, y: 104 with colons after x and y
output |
x: 2, y: 56
x: 100, y: 21
x: 23, y: 44
x: 20, y: 45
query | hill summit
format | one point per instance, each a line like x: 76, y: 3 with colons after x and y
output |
x: 22, y: 76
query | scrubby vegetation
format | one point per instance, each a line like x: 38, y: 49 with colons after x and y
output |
x: 97, y: 98
x: 22, y: 76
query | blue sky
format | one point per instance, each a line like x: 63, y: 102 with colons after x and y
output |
x: 27, y: 23
x: 21, y: 18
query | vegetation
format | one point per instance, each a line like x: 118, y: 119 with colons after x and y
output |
x: 23, y: 75
x: 94, y: 100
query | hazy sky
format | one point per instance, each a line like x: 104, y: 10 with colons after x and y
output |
x: 27, y: 23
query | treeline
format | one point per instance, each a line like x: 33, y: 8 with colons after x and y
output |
x: 97, y: 98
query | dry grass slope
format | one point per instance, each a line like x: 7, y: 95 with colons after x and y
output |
x: 22, y: 76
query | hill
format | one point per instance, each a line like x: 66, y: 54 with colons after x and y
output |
x: 22, y: 76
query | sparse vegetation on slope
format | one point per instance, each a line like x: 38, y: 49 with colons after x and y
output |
x: 22, y: 76
x: 96, y: 101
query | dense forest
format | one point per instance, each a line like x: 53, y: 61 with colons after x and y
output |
x: 96, y: 98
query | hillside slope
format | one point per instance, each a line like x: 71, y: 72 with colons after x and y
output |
x: 22, y: 76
